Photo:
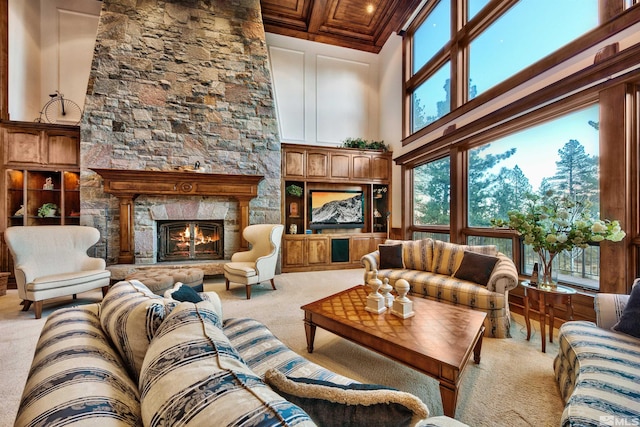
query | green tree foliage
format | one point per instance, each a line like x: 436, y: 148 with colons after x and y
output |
x: 577, y: 174
x: 483, y: 191
x: 432, y: 193
x: 508, y: 192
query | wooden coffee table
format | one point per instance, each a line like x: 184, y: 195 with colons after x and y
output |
x: 437, y: 341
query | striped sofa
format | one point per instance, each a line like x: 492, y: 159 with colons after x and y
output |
x: 139, y: 359
x: 598, y: 370
x: 429, y: 267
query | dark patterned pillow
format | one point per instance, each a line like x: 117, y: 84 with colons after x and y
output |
x: 391, y: 256
x: 183, y: 293
x: 476, y: 267
x: 366, y: 405
x: 629, y: 322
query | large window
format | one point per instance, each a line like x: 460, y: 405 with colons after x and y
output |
x: 559, y: 155
x: 527, y: 32
x: 431, y: 100
x: 511, y: 39
x: 432, y: 35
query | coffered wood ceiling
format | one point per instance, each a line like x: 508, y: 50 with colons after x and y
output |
x: 359, y: 24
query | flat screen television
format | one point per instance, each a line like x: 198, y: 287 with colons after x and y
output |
x: 336, y: 209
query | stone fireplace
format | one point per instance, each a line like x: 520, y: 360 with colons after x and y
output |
x: 173, y: 83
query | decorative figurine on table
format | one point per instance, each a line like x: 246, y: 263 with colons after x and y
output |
x: 375, y: 301
x: 385, y: 290
x: 48, y: 184
x: 402, y: 306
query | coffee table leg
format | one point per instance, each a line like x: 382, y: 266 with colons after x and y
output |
x: 449, y: 395
x: 478, y: 348
x: 310, y: 330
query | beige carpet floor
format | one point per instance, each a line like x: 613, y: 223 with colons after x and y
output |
x: 512, y: 386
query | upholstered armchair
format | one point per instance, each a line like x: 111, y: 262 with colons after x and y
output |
x: 52, y: 261
x: 259, y: 263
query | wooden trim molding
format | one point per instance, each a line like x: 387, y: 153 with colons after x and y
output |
x: 126, y: 185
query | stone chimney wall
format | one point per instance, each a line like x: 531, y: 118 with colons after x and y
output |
x: 173, y: 83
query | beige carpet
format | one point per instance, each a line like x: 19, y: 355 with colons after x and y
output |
x: 512, y: 386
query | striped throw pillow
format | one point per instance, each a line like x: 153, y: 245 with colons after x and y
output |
x: 193, y: 376
x: 130, y: 315
x: 417, y: 254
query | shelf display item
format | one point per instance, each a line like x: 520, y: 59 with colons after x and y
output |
x: 47, y: 210
x: 48, y: 184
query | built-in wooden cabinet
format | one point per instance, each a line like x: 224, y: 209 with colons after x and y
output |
x: 313, y: 168
x: 40, y: 167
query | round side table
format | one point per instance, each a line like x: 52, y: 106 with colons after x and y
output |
x: 546, y: 297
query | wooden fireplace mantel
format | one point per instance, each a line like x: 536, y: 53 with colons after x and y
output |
x: 126, y: 185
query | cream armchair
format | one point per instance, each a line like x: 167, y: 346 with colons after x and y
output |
x: 259, y: 263
x: 51, y: 261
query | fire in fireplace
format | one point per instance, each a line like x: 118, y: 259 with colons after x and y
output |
x: 190, y: 240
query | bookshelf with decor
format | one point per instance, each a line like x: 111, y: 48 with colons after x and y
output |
x: 335, y: 205
x: 41, y: 177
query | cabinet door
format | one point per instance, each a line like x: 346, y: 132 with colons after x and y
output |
x: 340, y: 166
x: 293, y: 252
x: 361, y: 166
x: 317, y: 164
x: 380, y: 168
x: 317, y: 250
x: 293, y: 163
x: 22, y: 146
x: 360, y: 246
x: 63, y: 149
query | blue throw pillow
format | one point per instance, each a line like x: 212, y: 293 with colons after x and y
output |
x: 629, y: 322
x: 183, y: 293
x: 353, y: 405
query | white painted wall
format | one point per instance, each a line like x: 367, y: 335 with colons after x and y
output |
x: 51, y: 49
x: 324, y: 94
x: 24, y: 59
x: 390, y: 93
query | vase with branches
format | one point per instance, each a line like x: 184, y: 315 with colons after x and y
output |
x: 551, y: 223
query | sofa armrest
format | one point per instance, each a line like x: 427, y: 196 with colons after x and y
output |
x: 504, y: 276
x: 370, y: 262
x: 609, y: 307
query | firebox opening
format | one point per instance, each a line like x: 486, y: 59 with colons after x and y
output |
x: 190, y: 240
